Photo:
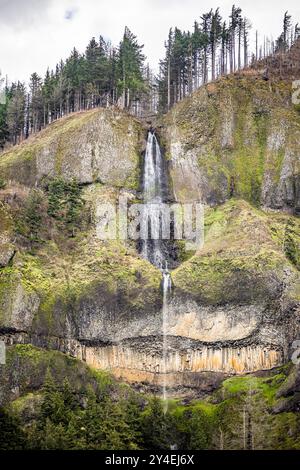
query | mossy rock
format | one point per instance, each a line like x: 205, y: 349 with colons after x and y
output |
x: 238, y: 136
x: 98, y: 145
x: 243, y: 259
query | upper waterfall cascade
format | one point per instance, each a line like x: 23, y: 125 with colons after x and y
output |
x: 153, y: 192
x: 152, y: 248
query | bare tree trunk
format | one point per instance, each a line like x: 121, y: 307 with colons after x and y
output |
x: 213, y: 62
x: 256, y: 45
x: 245, y: 47
x: 239, y: 48
x: 169, y: 83
x: 205, y: 66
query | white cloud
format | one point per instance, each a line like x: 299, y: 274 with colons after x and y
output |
x: 38, y: 33
x: 17, y: 14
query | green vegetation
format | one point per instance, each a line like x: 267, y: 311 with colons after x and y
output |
x: 66, y: 405
x: 65, y: 202
x: 102, y: 75
x: 292, y: 242
x: 31, y: 221
x: 242, y: 133
x: 244, y: 247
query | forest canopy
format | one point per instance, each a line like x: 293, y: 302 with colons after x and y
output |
x: 105, y: 75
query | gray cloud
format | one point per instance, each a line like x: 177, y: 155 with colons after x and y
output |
x: 19, y: 14
x: 69, y: 14
x: 35, y: 34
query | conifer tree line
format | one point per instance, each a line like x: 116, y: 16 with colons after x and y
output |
x: 214, y: 47
x: 101, y: 416
x: 105, y: 75
x: 102, y: 76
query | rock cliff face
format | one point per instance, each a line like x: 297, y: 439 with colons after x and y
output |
x: 234, y: 306
x: 95, y: 146
x: 236, y: 137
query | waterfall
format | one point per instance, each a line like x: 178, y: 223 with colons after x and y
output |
x: 152, y: 244
x: 152, y: 249
x: 166, y: 289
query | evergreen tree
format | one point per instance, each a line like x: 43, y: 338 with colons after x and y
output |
x: 4, y: 132
x: 65, y: 202
x: 36, y: 103
x: 130, y: 68
x: 33, y: 216
x: 215, y: 36
x: 16, y: 112
x: 235, y: 22
x: 11, y: 435
x: 199, y: 430
x: 206, y: 28
x: 155, y: 426
x: 52, y: 408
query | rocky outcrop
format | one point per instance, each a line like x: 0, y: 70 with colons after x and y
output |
x: 99, y: 145
x: 234, y: 306
x: 236, y: 137
x: 7, y: 249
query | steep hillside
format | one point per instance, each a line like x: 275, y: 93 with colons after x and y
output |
x: 54, y: 401
x: 101, y: 145
x: 238, y: 136
x: 234, y: 306
x: 60, y: 285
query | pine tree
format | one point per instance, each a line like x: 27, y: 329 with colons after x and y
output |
x: 199, y: 431
x: 130, y: 66
x: 286, y: 29
x: 11, y: 435
x: 206, y: 28
x: 246, y: 27
x: 215, y: 36
x: 4, y: 132
x: 65, y: 203
x: 36, y: 103
x: 16, y: 112
x: 155, y: 426
x: 33, y: 216
x: 52, y: 407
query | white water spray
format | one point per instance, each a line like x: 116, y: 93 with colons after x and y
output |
x: 153, y: 197
x: 166, y: 289
x: 152, y: 249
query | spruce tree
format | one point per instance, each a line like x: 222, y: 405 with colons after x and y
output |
x: 155, y: 426
x: 52, y: 408
x: 130, y: 68
x: 12, y: 436
x: 16, y: 112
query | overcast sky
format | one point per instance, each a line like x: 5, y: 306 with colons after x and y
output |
x: 35, y: 34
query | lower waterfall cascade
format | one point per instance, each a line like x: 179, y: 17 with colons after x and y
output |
x: 167, y: 284
x: 152, y: 249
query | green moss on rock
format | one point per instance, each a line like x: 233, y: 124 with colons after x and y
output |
x: 238, y: 136
x: 240, y: 261
x: 97, y: 145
